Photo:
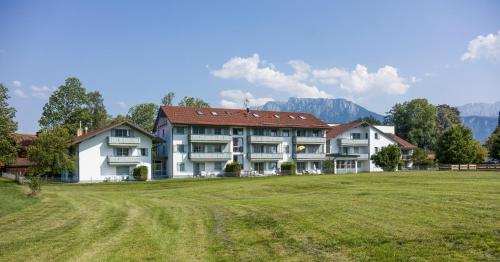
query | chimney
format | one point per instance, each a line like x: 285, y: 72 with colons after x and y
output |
x: 79, y: 131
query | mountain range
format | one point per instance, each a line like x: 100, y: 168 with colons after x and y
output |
x: 482, y: 118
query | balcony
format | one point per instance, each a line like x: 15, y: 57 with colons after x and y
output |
x: 265, y: 156
x: 265, y: 139
x: 309, y: 156
x: 201, y: 156
x: 353, y: 142
x: 210, y: 138
x: 362, y: 156
x: 123, y: 141
x: 309, y: 140
x: 123, y: 160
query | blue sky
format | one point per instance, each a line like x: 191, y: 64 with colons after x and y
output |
x: 375, y: 53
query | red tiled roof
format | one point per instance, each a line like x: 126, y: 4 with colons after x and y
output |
x: 334, y: 131
x: 105, y: 128
x: 21, y: 162
x: 403, y: 143
x: 240, y: 117
x: 25, y: 140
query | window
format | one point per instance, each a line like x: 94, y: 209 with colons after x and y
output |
x: 214, y: 113
x: 144, y: 151
x: 273, y: 165
x: 292, y: 117
x: 317, y: 133
x: 256, y: 115
x: 198, y: 130
x: 258, y: 132
x: 356, y: 135
x: 179, y: 130
x: 301, y: 166
x: 301, y: 132
x: 199, y: 113
x: 180, y: 148
x: 285, y: 132
x: 287, y: 149
x: 122, y: 132
x: 259, y: 167
x: 303, y: 117
x: 218, y: 148
x: 345, y: 150
x: 121, y: 151
x: 238, y: 158
x: 366, y: 135
x: 276, y: 116
x: 181, y: 167
x: 163, y: 133
x: 197, y: 148
x: 376, y: 135
x: 218, y: 166
x: 237, y: 144
x: 356, y: 150
x: 274, y: 132
x: 217, y: 131
x: 316, y: 165
x: 122, y: 171
x: 237, y: 131
x: 376, y: 150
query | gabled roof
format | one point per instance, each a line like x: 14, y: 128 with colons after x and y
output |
x: 403, y: 143
x: 97, y: 131
x: 239, y: 117
x: 25, y: 140
x: 334, y: 131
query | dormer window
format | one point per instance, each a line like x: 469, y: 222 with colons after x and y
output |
x: 199, y: 113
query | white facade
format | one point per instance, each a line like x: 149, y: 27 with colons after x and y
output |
x: 111, y: 155
x: 352, y: 149
x: 193, y: 150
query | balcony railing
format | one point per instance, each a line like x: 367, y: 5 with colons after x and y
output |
x: 124, y: 160
x: 123, y: 141
x: 309, y: 140
x: 265, y: 156
x: 210, y: 138
x: 201, y: 156
x: 353, y: 142
x: 309, y: 156
x: 265, y: 139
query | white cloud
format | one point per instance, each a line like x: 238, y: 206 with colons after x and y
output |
x: 255, y: 71
x: 16, y: 83
x: 486, y: 47
x: 301, y: 83
x: 19, y: 93
x: 41, y: 92
x: 414, y: 79
x: 236, y: 99
x: 122, y: 104
x: 359, y: 80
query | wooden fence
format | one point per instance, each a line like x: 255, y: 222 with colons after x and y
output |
x: 470, y: 167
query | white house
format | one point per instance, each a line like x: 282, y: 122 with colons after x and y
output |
x: 352, y: 145
x: 111, y: 153
x: 201, y: 141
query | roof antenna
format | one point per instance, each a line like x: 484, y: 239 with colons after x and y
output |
x: 246, y: 105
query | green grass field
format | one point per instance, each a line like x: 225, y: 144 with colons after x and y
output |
x: 435, y: 216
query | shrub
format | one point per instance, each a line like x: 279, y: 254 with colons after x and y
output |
x: 288, y: 168
x: 233, y: 169
x: 141, y: 173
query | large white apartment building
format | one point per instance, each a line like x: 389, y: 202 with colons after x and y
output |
x: 110, y: 153
x: 352, y: 145
x: 201, y: 141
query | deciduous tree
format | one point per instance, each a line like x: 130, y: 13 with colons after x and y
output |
x: 193, y: 102
x: 456, y: 146
x: 415, y: 121
x: 388, y: 157
x: 370, y: 120
x: 446, y: 116
x: 143, y: 115
x: 481, y: 153
x: 8, y: 127
x: 168, y: 99
x: 50, y: 155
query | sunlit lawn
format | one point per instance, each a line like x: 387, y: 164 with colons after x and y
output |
x: 418, y: 216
